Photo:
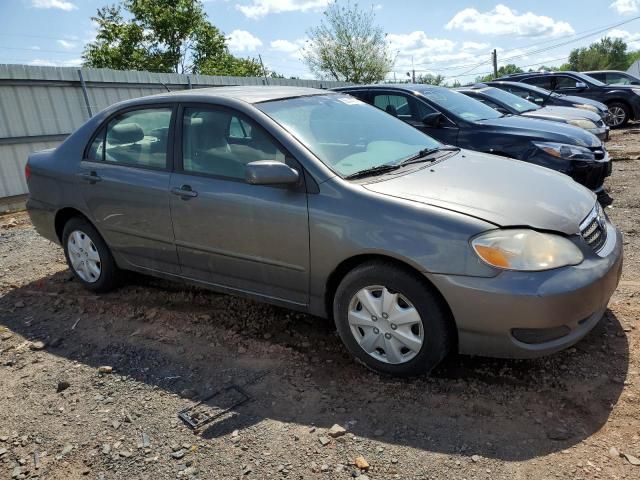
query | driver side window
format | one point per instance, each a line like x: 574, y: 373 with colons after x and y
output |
x: 564, y: 82
x: 221, y: 143
x: 402, y: 106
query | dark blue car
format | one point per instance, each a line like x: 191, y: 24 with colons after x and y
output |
x: 455, y: 119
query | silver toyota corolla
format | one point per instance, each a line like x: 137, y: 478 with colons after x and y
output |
x: 318, y: 202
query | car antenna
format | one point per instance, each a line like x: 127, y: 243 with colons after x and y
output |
x: 165, y: 86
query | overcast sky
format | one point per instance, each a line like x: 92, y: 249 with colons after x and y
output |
x: 452, y: 38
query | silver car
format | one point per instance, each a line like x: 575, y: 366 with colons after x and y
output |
x: 318, y: 202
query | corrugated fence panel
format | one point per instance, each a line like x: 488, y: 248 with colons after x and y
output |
x: 40, y: 104
x: 13, y: 158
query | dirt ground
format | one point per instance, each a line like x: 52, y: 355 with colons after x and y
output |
x: 573, y: 415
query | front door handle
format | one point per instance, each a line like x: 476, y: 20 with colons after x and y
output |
x: 184, y: 191
x: 91, y: 177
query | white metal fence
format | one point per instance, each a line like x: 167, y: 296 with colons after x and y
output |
x: 40, y: 106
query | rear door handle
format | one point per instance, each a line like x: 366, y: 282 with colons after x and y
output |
x: 91, y: 177
x: 184, y: 191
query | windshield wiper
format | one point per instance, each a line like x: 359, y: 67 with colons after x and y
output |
x: 422, y: 155
x: 367, y: 172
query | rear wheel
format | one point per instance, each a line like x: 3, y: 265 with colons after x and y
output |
x: 88, y: 256
x: 391, y: 320
x: 619, y: 115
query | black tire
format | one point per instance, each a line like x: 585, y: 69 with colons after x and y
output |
x: 108, y: 278
x: 433, y: 315
x: 617, y: 107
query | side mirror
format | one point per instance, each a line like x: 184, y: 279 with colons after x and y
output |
x: 270, y: 172
x: 432, y: 119
x: 581, y: 85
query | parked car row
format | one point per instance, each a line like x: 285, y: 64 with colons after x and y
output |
x: 623, y: 101
x: 368, y: 214
x: 456, y: 119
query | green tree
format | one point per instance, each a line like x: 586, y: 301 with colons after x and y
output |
x: 606, y: 54
x: 504, y: 70
x: 162, y: 36
x: 348, y: 46
x: 430, y: 79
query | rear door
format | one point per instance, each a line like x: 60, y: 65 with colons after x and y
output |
x: 250, y: 238
x: 125, y: 183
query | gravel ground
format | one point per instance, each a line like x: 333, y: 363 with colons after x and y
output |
x: 572, y: 415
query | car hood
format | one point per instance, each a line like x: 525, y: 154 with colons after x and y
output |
x: 583, y: 100
x: 499, y: 190
x: 537, y: 129
x: 560, y: 114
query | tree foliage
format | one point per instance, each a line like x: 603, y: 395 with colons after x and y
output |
x: 606, y: 54
x: 348, y: 46
x: 508, y: 69
x: 431, y: 79
x: 172, y: 36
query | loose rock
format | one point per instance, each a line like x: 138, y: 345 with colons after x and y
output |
x: 361, y: 463
x: 105, y: 369
x: 336, y: 431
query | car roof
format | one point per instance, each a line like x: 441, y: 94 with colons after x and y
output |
x: 605, y: 71
x: 507, y: 82
x: 249, y: 94
x: 409, y: 87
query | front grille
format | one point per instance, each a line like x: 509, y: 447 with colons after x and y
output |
x: 593, y: 229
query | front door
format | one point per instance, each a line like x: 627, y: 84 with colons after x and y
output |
x: 414, y: 111
x: 125, y: 183
x: 251, y: 238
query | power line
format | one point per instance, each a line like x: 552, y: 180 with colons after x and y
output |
x: 593, y: 31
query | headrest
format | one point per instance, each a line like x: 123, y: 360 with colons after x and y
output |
x: 125, y: 133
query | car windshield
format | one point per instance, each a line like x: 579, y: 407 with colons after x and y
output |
x: 517, y: 103
x: 346, y: 134
x: 459, y: 104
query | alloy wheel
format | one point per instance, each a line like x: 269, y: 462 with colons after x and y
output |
x: 385, y: 324
x: 84, y: 256
x: 617, y: 116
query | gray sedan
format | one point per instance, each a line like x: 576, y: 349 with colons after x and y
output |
x: 318, y: 202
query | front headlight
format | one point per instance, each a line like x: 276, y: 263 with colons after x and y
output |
x: 582, y: 123
x: 584, y: 106
x: 525, y: 250
x: 562, y: 150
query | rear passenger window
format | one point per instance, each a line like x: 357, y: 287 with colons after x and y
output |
x: 137, y: 138
x: 220, y: 143
x: 402, y: 106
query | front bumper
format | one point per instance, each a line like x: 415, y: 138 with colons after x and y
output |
x: 601, y: 132
x: 569, y: 300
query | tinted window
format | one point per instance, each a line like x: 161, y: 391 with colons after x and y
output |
x: 346, y: 134
x: 562, y: 81
x: 221, y: 143
x: 460, y: 105
x: 617, y: 78
x: 542, y: 81
x: 361, y: 94
x: 402, y: 106
x: 598, y: 76
x: 137, y: 138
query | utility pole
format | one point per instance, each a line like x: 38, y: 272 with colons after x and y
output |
x: 494, y: 58
x: 264, y: 71
x: 413, y: 71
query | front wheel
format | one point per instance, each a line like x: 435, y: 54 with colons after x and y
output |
x: 619, y: 115
x: 391, y: 320
x: 88, y: 256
